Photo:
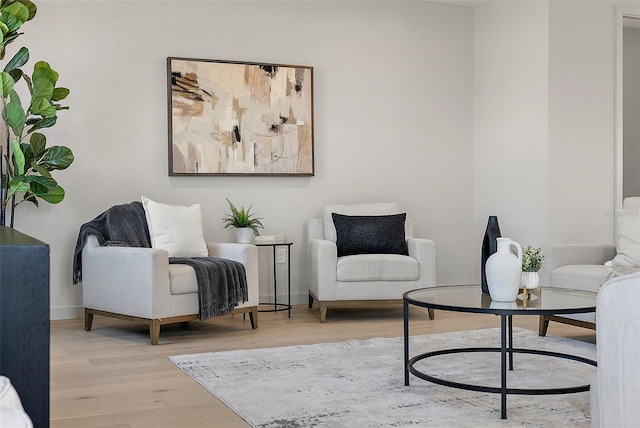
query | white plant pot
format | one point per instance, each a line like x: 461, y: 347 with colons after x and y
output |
x: 530, y: 280
x: 245, y: 235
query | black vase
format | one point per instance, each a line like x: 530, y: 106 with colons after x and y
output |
x: 489, y: 246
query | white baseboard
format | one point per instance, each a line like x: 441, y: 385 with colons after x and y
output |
x: 66, y: 312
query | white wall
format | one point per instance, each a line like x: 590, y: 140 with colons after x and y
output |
x: 581, y: 122
x: 510, y: 119
x: 631, y: 109
x: 393, y: 116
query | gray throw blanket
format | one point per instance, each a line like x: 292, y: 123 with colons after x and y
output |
x: 222, y: 283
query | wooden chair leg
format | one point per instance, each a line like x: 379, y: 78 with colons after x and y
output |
x: 154, y: 331
x: 543, y: 326
x: 310, y: 301
x: 431, y: 313
x: 323, y: 311
x: 88, y: 319
x: 253, y: 317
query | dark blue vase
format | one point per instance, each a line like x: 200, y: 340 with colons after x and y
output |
x: 489, y: 246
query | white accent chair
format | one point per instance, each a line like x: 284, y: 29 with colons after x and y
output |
x: 616, y: 386
x: 364, y: 277
x: 580, y: 267
x: 139, y: 284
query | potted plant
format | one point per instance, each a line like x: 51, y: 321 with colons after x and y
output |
x: 532, y: 261
x: 26, y: 162
x: 244, y: 221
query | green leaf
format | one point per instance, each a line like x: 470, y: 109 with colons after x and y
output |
x: 6, y: 84
x: 18, y: 10
x: 30, y: 7
x: 42, y: 70
x: 16, y: 74
x: 15, y: 117
x: 28, y: 155
x: 42, y: 107
x: 18, y: 157
x: 42, y: 88
x: 40, y: 170
x: 54, y: 197
x: 40, y: 185
x: 10, y: 20
x: 17, y: 185
x: 59, y: 94
x: 19, y: 59
x: 46, y: 122
x: 38, y: 144
x: 4, y: 29
x: 57, y: 157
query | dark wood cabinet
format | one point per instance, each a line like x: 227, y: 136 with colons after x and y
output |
x: 24, y: 320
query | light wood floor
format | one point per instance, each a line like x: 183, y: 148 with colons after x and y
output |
x: 113, y: 377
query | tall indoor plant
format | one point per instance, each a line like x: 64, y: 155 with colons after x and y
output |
x: 26, y: 162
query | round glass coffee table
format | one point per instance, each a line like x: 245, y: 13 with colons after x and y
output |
x: 469, y: 298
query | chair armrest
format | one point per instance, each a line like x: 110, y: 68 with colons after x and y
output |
x: 631, y: 375
x: 128, y: 280
x: 571, y: 254
x: 323, y: 261
x: 247, y: 254
x: 424, y: 250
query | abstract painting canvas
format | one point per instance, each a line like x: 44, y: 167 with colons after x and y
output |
x: 239, y: 118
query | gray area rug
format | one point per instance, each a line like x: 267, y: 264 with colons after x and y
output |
x: 360, y: 383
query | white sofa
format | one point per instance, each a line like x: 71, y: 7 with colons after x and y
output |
x: 364, y: 277
x: 616, y: 386
x: 139, y: 284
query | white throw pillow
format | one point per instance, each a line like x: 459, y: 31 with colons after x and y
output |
x: 628, y: 239
x: 175, y: 228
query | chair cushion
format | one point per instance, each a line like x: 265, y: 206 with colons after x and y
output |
x: 580, y: 277
x: 382, y: 208
x: 182, y: 279
x: 370, y: 234
x: 377, y: 267
x: 176, y: 229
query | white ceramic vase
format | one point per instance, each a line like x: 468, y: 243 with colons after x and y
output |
x: 530, y: 280
x: 504, y: 271
x: 245, y: 235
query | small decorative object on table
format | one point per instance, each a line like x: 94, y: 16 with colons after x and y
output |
x: 245, y: 223
x: 532, y: 260
x: 504, y: 271
x: 489, y: 246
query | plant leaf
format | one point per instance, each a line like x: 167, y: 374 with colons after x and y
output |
x: 18, y: 157
x: 4, y: 29
x: 41, y: 106
x: 6, y: 84
x: 57, y: 157
x: 19, y: 59
x: 17, y: 185
x: 60, y: 94
x: 18, y: 10
x: 15, y: 117
x: 42, y: 88
x: 10, y: 20
x: 54, y: 197
x: 38, y: 144
x: 30, y: 7
x: 46, y: 122
x: 42, y: 171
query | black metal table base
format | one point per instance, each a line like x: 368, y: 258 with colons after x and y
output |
x: 276, y: 307
x: 506, y: 351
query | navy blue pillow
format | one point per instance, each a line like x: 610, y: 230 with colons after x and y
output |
x: 370, y: 234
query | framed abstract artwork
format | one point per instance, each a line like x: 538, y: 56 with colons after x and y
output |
x: 239, y: 118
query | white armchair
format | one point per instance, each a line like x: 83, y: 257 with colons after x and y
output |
x: 616, y: 386
x: 138, y: 284
x: 364, y: 277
